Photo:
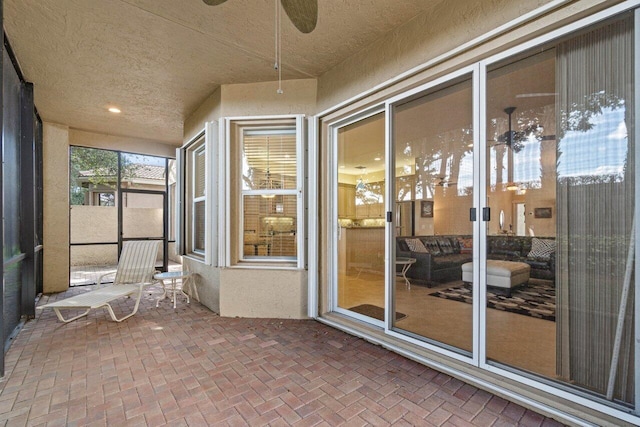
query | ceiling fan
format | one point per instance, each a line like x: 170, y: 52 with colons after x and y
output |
x: 444, y: 182
x: 515, y: 139
x: 303, y: 13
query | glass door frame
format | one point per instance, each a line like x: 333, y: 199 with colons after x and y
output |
x: 473, y: 72
x: 333, y: 224
x: 165, y: 211
x: 165, y: 223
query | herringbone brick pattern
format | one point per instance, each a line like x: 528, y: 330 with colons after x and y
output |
x: 190, y: 367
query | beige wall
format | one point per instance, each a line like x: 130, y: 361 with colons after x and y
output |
x: 425, y: 37
x: 56, y: 207
x: 121, y: 143
x: 263, y: 293
x: 100, y: 224
x: 94, y: 224
x: 259, y: 99
x: 208, y: 111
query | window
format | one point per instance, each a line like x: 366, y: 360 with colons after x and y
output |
x: 195, y: 191
x: 104, y: 199
x: 267, y: 173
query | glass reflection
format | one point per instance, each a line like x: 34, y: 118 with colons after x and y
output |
x: 360, y: 246
x: 561, y: 166
x: 433, y: 142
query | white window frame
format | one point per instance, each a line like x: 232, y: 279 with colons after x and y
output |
x: 231, y: 167
x: 201, y: 144
x: 199, y: 150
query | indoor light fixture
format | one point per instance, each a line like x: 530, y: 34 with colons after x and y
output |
x: 267, y: 184
x: 115, y: 110
x: 512, y: 186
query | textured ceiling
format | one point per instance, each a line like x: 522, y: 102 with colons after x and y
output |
x: 157, y: 60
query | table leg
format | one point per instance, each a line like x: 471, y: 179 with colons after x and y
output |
x: 405, y: 268
x: 164, y: 293
x: 173, y: 285
x: 185, y: 283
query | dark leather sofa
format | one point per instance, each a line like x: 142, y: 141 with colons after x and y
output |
x: 445, y: 255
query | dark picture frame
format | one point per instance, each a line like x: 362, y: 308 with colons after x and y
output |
x: 426, y: 208
x: 542, y: 212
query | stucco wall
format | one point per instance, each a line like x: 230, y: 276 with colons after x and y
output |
x: 448, y: 26
x: 259, y: 99
x: 263, y: 293
x: 56, y: 207
x: 113, y: 142
x: 90, y: 224
x: 208, y: 111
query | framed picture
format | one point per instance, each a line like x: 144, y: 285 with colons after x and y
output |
x: 542, y: 212
x: 426, y: 208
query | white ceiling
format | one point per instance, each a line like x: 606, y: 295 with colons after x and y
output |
x: 157, y: 60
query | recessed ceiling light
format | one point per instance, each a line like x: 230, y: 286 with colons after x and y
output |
x: 377, y: 159
x: 114, y: 110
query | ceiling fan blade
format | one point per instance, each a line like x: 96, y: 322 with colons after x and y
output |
x: 214, y: 2
x: 303, y: 13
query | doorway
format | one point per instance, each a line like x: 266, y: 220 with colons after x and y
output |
x: 359, y: 281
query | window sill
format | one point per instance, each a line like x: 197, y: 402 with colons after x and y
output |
x: 266, y: 265
x: 193, y: 257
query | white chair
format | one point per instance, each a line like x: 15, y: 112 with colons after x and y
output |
x: 136, y: 268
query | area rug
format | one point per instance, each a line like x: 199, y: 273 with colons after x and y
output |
x: 374, y: 311
x: 535, y: 300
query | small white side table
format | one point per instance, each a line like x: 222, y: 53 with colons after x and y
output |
x: 406, y: 263
x: 174, y: 276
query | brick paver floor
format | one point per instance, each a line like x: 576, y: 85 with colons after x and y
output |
x: 190, y: 367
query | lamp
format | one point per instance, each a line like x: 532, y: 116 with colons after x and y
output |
x: 267, y: 184
x: 510, y: 137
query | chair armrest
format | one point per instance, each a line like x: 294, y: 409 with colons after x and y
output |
x: 99, y: 282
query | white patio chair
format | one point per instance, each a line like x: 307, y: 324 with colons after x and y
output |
x: 136, y: 268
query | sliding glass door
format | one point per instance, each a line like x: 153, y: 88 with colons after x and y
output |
x: 521, y: 193
x: 360, y: 220
x: 508, y: 235
x: 560, y: 182
x: 432, y: 142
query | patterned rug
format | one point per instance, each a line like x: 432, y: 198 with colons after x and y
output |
x: 535, y: 299
x: 374, y: 311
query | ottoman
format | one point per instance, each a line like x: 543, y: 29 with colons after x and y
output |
x: 503, y: 276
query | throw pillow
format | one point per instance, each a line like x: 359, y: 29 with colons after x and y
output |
x: 542, y: 248
x: 445, y: 245
x: 466, y: 245
x: 432, y: 246
x: 415, y: 245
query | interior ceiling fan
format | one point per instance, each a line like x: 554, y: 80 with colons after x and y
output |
x: 515, y: 139
x: 303, y: 13
x: 444, y: 182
